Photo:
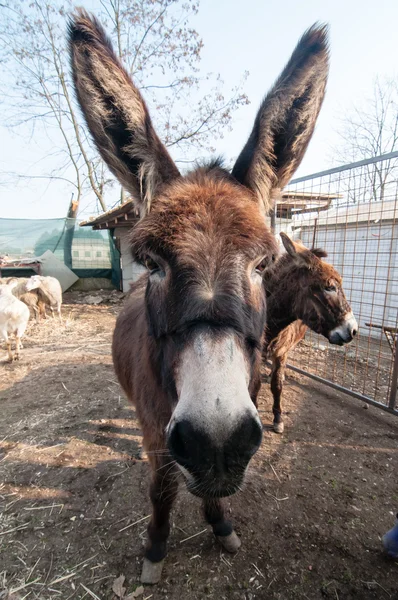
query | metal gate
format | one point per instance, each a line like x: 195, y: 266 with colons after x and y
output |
x: 352, y: 212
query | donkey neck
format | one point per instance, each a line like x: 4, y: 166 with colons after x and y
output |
x: 279, y: 315
x: 281, y: 296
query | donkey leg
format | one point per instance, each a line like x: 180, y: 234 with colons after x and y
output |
x: 214, y: 512
x: 163, y: 490
x: 277, y: 379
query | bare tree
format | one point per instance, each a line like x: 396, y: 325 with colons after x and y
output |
x: 368, y: 131
x: 162, y: 53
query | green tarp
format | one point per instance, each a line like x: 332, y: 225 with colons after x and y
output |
x: 88, y: 253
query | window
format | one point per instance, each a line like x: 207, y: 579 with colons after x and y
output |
x: 98, y: 253
x: 75, y: 253
x: 87, y: 253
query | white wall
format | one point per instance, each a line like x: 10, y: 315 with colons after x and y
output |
x: 131, y: 270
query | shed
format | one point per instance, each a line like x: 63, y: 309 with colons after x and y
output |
x: 362, y: 243
x: 122, y: 218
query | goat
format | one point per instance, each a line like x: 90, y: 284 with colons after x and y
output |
x: 302, y: 292
x: 32, y: 299
x: 49, y: 290
x: 14, y: 317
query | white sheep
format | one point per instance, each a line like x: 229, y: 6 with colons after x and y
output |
x: 50, y: 291
x: 14, y: 317
x: 32, y: 299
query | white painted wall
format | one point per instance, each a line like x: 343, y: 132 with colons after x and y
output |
x: 131, y: 270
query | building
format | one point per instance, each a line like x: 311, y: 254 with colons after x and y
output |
x: 90, y: 253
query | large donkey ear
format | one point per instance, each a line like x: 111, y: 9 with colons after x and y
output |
x: 286, y: 119
x: 116, y: 114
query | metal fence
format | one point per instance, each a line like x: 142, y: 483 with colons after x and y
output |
x: 352, y: 212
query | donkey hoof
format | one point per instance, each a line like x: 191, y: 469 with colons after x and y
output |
x: 151, y: 572
x: 279, y: 427
x: 231, y: 543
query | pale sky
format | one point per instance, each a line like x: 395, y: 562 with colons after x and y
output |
x: 241, y: 35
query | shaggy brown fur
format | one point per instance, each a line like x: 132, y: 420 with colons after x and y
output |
x: 118, y: 117
x: 298, y: 299
x: 204, y: 241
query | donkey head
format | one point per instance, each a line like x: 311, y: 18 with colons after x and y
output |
x: 205, y: 243
x: 319, y: 300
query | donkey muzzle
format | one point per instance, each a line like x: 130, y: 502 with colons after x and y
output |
x: 210, y: 468
x: 215, y: 428
x: 345, y: 332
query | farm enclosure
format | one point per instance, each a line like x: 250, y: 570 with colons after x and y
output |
x: 74, y: 486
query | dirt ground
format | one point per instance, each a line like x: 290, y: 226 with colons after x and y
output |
x: 73, y: 487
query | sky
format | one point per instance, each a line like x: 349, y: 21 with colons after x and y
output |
x: 239, y: 35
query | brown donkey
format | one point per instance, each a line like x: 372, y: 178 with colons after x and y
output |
x: 187, y: 346
x: 302, y: 292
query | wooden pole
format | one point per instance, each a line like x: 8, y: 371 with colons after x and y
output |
x: 71, y: 216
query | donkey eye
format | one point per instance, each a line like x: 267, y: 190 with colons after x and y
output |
x: 260, y: 268
x: 151, y: 264
x: 330, y: 288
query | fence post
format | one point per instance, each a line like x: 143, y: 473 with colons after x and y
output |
x: 394, y: 381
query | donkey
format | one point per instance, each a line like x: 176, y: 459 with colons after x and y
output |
x: 187, y: 345
x: 302, y: 292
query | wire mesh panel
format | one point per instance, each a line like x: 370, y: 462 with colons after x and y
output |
x: 352, y: 212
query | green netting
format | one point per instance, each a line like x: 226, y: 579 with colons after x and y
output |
x: 88, y: 253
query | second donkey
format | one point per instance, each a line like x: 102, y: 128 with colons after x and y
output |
x: 302, y: 292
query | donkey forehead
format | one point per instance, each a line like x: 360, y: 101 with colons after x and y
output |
x: 210, y: 218
x: 328, y: 272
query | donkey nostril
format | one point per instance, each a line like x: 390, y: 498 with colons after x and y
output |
x: 176, y: 440
x: 180, y: 441
x: 354, y: 332
x: 246, y: 440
